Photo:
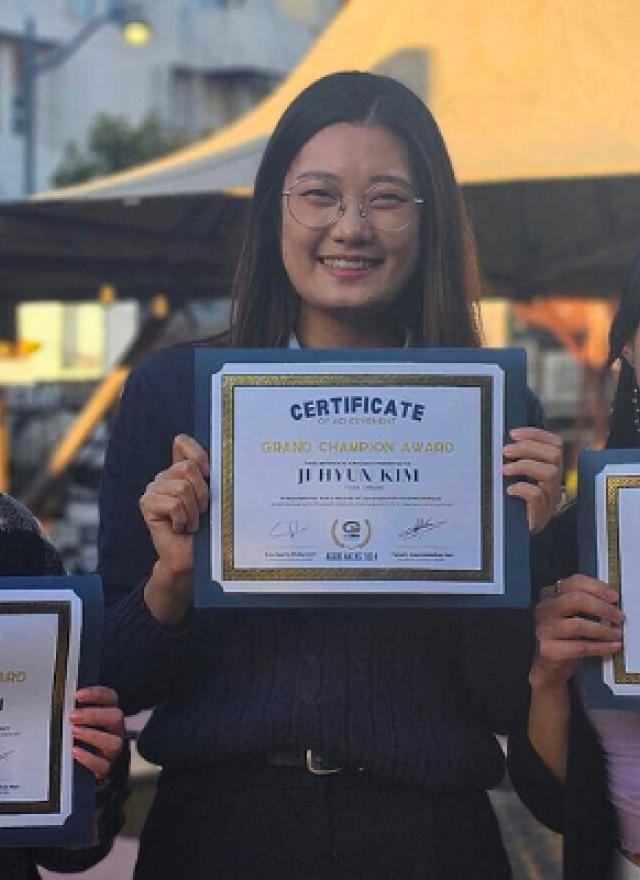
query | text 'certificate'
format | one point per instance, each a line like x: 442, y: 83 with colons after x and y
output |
x: 39, y: 649
x: 352, y: 478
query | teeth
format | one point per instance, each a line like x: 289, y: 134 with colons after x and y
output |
x: 348, y: 264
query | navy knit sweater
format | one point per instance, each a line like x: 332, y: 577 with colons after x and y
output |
x: 413, y: 696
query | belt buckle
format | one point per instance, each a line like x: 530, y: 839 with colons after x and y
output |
x: 314, y: 764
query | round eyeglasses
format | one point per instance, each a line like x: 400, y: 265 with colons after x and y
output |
x: 316, y: 204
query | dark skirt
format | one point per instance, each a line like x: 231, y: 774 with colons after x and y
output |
x: 242, y: 820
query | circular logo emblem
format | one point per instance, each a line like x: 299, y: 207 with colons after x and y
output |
x: 351, y: 533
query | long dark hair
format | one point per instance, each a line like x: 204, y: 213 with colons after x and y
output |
x: 437, y: 303
x: 622, y: 428
x: 24, y: 550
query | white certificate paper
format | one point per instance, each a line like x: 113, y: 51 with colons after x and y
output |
x: 358, y: 478
x: 618, y: 530
x: 39, y: 653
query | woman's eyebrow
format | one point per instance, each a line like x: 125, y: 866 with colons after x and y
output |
x: 314, y: 174
x: 390, y: 178
x: 375, y: 178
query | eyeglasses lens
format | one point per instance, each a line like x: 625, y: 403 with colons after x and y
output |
x: 317, y: 204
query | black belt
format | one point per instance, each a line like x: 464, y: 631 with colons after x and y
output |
x: 312, y: 761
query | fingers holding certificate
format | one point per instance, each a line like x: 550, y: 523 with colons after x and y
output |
x: 535, y: 457
x: 366, y: 479
x: 98, y: 723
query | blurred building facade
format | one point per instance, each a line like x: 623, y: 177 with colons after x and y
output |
x: 209, y: 61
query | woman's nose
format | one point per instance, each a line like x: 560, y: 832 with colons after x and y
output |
x: 352, y: 222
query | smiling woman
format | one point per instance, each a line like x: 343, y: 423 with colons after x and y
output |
x: 357, y: 188
x: 327, y: 744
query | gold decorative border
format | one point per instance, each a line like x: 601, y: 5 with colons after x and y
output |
x: 233, y: 381
x: 62, y: 610
x: 614, y: 485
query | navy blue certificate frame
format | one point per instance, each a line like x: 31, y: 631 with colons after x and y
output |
x: 78, y: 829
x: 208, y: 593
x: 597, y: 694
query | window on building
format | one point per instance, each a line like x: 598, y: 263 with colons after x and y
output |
x: 206, y: 101
x: 299, y: 10
x: 82, y: 9
x: 218, y: 4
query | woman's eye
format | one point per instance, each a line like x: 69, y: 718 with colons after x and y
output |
x: 388, y: 200
x: 321, y: 196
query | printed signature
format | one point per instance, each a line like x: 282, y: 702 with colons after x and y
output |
x: 287, y: 529
x: 5, y: 755
x: 421, y: 525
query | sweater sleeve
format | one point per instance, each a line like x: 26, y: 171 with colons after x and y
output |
x: 580, y: 808
x: 538, y: 788
x: 554, y: 556
x: 141, y: 657
x: 108, y: 820
x: 497, y: 646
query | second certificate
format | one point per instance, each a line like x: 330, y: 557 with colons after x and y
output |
x: 348, y: 478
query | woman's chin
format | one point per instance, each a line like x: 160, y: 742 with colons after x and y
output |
x: 361, y: 306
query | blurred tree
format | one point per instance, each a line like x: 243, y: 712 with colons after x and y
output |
x: 113, y: 143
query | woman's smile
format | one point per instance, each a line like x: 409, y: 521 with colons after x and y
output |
x: 350, y: 268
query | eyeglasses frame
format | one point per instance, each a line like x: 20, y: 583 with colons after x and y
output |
x: 362, y: 211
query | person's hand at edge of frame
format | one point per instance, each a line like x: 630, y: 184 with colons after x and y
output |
x: 575, y: 618
x: 97, y: 722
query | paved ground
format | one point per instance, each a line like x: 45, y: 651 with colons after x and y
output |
x: 117, y: 866
x: 534, y: 851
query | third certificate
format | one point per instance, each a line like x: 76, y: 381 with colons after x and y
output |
x: 618, y: 526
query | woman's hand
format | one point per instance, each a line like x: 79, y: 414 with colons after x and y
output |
x: 171, y: 506
x: 536, y: 455
x: 98, y: 722
x: 575, y: 618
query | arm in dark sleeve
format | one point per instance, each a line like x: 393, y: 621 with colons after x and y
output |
x: 497, y: 646
x: 108, y: 820
x: 579, y: 808
x: 141, y: 657
x: 553, y: 555
x: 538, y: 788
x: 139, y: 448
x: 496, y: 654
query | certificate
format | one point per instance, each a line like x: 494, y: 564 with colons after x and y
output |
x: 50, y: 643
x: 608, y: 529
x: 352, y: 478
x: 39, y: 644
x: 618, y: 525
x: 332, y: 478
